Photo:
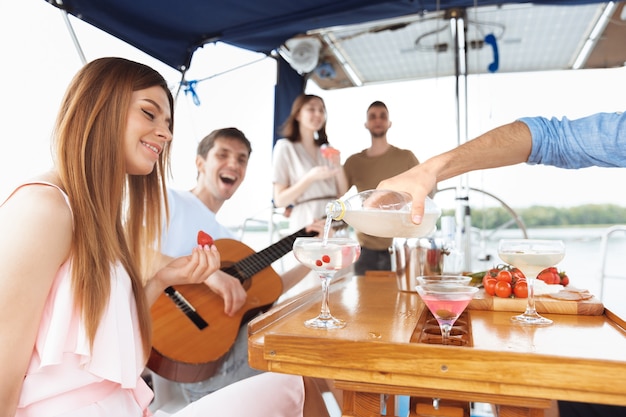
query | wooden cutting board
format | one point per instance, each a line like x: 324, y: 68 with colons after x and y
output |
x: 543, y: 304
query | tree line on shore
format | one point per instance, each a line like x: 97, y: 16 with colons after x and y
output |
x: 532, y: 217
x: 546, y: 216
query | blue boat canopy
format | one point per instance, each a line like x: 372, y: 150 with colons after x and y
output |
x: 172, y: 30
x: 346, y: 43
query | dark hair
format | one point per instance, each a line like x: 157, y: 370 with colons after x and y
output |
x: 378, y: 103
x: 291, y: 127
x: 208, y: 142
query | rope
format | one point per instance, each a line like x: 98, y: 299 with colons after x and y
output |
x: 189, y: 87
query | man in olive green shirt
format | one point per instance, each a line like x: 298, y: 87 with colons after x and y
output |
x: 365, y: 170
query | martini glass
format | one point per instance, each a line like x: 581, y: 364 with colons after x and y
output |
x: 444, y: 279
x: 326, y: 256
x: 531, y: 256
x: 446, y: 301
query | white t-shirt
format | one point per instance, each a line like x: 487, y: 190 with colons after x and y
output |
x: 290, y: 163
x: 188, y: 215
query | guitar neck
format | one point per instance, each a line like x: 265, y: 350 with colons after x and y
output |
x: 248, y: 267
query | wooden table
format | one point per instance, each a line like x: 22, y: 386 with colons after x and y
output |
x: 520, y: 368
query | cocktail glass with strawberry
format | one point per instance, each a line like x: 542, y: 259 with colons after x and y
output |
x: 531, y: 256
x: 326, y: 257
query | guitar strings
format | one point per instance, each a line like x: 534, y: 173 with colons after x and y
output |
x: 248, y: 267
x: 253, y: 264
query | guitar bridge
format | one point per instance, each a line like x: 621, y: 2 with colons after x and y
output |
x: 186, y: 307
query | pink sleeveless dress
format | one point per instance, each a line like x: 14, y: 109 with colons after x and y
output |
x: 66, y: 378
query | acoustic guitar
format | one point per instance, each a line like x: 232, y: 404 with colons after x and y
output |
x: 190, y: 332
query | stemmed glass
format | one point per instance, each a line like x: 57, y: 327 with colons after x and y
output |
x: 326, y: 256
x: 446, y: 301
x: 444, y: 279
x: 531, y: 256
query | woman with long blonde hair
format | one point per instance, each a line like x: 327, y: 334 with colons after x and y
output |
x: 81, y: 265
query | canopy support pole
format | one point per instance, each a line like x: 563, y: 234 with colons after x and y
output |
x: 70, y: 29
x: 463, y: 218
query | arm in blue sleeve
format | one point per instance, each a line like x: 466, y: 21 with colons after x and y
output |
x: 596, y: 140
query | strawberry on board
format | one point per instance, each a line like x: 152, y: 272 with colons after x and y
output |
x: 550, y: 276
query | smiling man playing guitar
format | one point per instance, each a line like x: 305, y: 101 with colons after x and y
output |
x: 212, y: 353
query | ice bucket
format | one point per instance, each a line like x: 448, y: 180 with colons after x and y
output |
x: 411, y: 258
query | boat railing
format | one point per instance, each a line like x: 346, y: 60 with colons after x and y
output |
x: 270, y: 219
x: 515, y: 218
x: 476, y: 255
x: 604, y: 247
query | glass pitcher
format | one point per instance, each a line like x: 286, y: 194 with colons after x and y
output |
x: 384, y: 213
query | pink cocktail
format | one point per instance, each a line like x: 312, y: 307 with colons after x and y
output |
x: 446, y: 302
x: 328, y: 151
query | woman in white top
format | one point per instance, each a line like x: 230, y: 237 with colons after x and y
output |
x: 305, y: 175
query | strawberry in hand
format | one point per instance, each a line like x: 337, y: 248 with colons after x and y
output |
x: 204, y: 239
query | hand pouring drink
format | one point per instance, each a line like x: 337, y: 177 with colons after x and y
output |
x: 384, y: 213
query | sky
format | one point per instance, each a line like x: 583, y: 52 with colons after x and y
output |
x: 236, y: 87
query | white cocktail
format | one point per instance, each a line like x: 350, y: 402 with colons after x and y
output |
x: 384, y: 213
x: 531, y: 256
x: 391, y: 223
x: 326, y: 257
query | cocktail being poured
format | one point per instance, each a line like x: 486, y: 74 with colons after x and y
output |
x: 326, y: 256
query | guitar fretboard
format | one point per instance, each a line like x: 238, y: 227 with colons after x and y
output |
x: 248, y: 267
